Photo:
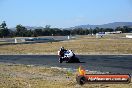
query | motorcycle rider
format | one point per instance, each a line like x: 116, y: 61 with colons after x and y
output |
x: 61, y: 54
x: 67, y: 55
x: 62, y: 51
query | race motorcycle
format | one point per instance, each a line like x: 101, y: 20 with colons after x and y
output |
x: 68, y: 56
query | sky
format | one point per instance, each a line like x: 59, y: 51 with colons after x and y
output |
x: 64, y: 13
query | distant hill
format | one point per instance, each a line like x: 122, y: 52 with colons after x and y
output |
x: 109, y: 25
x: 88, y: 26
x: 33, y: 27
x: 29, y: 27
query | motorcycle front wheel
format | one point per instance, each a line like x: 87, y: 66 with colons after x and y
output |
x: 60, y: 60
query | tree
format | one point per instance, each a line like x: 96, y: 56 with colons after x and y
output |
x: 47, y: 27
x: 4, y: 31
x: 38, y: 32
x: 126, y: 29
x: 109, y: 30
x: 120, y: 29
x: 21, y: 31
x: 86, y: 31
x: 91, y: 31
x: 56, y: 31
x: 66, y: 32
x: 46, y: 32
x: 94, y: 31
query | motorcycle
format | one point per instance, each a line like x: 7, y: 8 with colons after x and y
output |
x: 68, y: 56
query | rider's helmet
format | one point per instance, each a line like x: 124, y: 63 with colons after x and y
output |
x: 62, y: 48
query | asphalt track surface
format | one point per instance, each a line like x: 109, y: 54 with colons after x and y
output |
x: 103, y: 63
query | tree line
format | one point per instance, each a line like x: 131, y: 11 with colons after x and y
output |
x: 21, y: 31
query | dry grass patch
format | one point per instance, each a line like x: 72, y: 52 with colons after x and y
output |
x: 81, y: 45
x: 24, y: 76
